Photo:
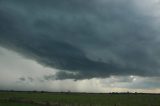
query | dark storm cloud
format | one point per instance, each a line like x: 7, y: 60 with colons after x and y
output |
x: 92, y: 38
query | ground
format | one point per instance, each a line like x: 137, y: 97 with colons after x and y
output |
x: 77, y: 99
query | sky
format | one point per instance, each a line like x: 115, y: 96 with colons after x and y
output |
x: 80, y: 45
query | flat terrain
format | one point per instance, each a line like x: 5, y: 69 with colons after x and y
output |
x: 77, y: 99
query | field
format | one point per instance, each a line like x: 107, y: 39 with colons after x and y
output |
x: 77, y: 99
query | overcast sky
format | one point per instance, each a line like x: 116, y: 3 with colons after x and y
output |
x: 80, y: 45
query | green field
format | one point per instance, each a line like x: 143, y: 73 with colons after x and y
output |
x: 78, y: 99
x: 15, y: 104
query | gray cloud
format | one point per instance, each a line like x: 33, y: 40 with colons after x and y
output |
x: 93, y: 38
x: 29, y: 79
x: 20, y: 73
x: 22, y: 79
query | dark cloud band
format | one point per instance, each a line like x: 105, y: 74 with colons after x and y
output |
x: 90, y: 38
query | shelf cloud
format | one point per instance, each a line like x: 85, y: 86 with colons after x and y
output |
x: 84, y: 39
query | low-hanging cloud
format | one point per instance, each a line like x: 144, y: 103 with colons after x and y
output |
x: 20, y: 73
x: 84, y: 38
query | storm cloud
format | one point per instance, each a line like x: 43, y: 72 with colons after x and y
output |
x: 84, y: 39
x: 20, y: 73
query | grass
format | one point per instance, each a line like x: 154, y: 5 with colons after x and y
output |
x: 84, y: 99
x: 2, y: 103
